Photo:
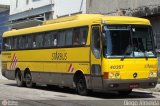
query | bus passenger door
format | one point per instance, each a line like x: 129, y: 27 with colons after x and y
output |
x: 96, y: 74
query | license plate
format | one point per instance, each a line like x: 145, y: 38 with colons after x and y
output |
x: 133, y: 85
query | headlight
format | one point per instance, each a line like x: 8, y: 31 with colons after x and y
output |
x: 111, y: 75
x: 117, y: 75
x: 114, y: 75
x: 153, y: 74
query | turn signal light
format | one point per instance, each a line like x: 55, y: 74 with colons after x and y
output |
x: 105, y: 75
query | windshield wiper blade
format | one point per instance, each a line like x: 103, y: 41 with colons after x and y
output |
x: 145, y: 55
x: 124, y: 56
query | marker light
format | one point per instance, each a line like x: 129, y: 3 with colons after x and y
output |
x: 105, y: 75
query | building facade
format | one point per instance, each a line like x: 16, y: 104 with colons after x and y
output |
x: 26, y: 13
x: 4, y: 17
x: 149, y: 9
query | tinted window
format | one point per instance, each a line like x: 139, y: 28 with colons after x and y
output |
x: 69, y: 36
x: 29, y: 41
x: 96, y: 41
x: 47, y: 39
x: 15, y: 42
x: 54, y: 38
x: 80, y: 36
x: 21, y: 42
x: 61, y: 38
x: 7, y: 43
x: 38, y: 41
x: 83, y: 34
x: 76, y: 36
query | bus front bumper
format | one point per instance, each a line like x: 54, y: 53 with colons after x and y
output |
x: 129, y: 84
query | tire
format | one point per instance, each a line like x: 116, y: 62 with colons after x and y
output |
x: 81, y: 87
x: 19, y: 79
x: 125, y: 92
x: 28, y: 80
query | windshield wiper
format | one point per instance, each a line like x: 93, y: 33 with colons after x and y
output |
x: 124, y: 56
x: 145, y: 55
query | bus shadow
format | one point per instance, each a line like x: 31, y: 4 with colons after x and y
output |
x: 115, y: 95
x: 106, y: 95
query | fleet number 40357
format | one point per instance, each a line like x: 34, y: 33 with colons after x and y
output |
x: 117, y: 67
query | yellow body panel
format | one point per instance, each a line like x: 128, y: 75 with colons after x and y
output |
x: 47, y: 61
x: 128, y: 67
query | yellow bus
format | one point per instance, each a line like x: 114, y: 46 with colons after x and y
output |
x: 85, y: 51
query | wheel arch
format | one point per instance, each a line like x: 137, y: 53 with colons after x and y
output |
x: 77, y: 75
x: 27, y: 70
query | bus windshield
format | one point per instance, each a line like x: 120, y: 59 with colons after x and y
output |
x: 128, y: 41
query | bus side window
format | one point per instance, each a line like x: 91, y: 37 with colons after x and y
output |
x: 47, y: 39
x: 61, y: 38
x: 29, y: 41
x: 39, y: 40
x: 21, y: 42
x: 76, y: 36
x: 7, y: 43
x: 25, y: 42
x: 15, y: 42
x: 33, y: 41
x: 53, y: 39
x: 83, y: 34
x: 69, y: 36
x: 96, y: 41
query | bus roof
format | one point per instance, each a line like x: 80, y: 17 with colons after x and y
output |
x: 78, y: 20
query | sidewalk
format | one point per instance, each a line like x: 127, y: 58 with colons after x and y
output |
x: 1, y: 77
x: 155, y: 91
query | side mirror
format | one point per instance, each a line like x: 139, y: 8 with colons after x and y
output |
x: 103, y: 38
x: 154, y: 35
x: 158, y: 52
x: 104, y: 28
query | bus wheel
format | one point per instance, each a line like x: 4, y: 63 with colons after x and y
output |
x: 19, y: 80
x: 28, y: 79
x: 125, y: 92
x: 81, y: 87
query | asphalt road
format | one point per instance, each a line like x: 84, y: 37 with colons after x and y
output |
x: 11, y: 95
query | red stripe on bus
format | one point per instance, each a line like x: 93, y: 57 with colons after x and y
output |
x: 72, y: 70
x: 69, y: 67
x: 12, y: 62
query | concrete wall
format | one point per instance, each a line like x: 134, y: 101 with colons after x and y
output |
x: 155, y: 21
x: 124, y: 7
x: 23, y: 6
x: 149, y: 9
x: 4, y: 2
x: 63, y: 7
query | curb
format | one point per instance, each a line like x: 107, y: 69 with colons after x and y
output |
x: 1, y: 77
x: 147, y: 91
